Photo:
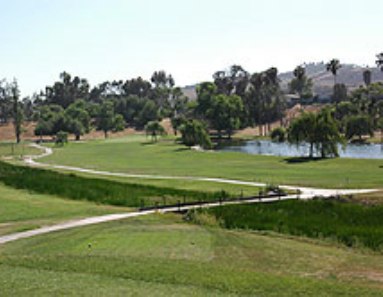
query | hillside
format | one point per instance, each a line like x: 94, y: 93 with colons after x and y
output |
x: 351, y: 75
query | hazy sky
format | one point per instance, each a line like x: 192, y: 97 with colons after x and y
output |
x: 120, y: 39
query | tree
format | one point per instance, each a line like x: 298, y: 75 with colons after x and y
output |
x: 225, y: 113
x: 367, y: 77
x: 340, y: 93
x: 163, y: 85
x: 106, y: 117
x: 333, y: 66
x: 148, y: 113
x: 195, y: 133
x: 359, y: 125
x: 5, y: 102
x: 50, y: 120
x: 205, y: 93
x: 231, y: 81
x: 327, y: 134
x: 303, y: 129
x: 17, y: 110
x: 320, y: 131
x: 154, y: 129
x: 379, y: 61
x: 77, y: 119
x: 264, y: 100
x: 67, y: 90
x: 301, y: 84
x: 278, y: 134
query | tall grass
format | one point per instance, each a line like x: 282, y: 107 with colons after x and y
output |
x: 351, y: 224
x: 96, y: 190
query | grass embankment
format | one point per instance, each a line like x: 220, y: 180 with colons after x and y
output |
x: 351, y: 224
x: 98, y: 190
x: 133, y: 155
x: 163, y: 256
x: 22, y: 210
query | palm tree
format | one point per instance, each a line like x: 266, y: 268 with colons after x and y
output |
x: 333, y: 66
x: 379, y: 61
x: 367, y: 77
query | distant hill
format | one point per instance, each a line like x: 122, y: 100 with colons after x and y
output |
x: 350, y: 75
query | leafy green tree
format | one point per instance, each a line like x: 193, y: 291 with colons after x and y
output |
x: 303, y: 130
x: 278, y: 134
x: 118, y: 123
x: 264, y: 100
x: 50, y: 119
x: 148, y: 113
x: 154, y: 129
x: 77, y: 119
x: 359, y: 125
x: 163, y: 85
x: 67, y: 90
x: 205, y: 93
x: 5, y: 102
x: 327, y: 134
x: 231, y: 81
x: 320, y: 131
x: 106, y: 117
x: 17, y: 110
x: 177, y: 123
x: 225, y: 114
x: 301, y: 84
x: 195, y: 133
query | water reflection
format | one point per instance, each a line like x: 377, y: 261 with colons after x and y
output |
x: 267, y: 147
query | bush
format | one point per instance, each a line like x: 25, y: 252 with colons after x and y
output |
x: 61, y: 138
x: 278, y: 134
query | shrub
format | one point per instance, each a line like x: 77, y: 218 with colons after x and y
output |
x: 278, y: 134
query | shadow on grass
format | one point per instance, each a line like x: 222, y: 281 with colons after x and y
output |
x: 297, y: 160
x: 149, y: 143
x: 181, y: 149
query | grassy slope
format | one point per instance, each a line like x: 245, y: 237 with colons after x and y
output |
x: 349, y: 223
x: 134, y: 156
x: 162, y: 256
x: 21, y: 210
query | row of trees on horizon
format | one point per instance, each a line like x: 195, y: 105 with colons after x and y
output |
x: 235, y: 99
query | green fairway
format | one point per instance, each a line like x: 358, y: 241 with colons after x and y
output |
x: 163, y: 256
x: 134, y: 155
x: 21, y: 210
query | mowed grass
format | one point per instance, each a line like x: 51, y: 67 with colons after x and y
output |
x: 351, y: 224
x: 160, y: 255
x: 134, y: 155
x: 8, y: 149
x: 21, y: 210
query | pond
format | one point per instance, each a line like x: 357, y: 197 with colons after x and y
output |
x: 270, y: 148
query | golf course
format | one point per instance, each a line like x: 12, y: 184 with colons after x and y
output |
x: 217, y: 252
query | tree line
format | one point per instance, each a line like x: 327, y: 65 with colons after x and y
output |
x: 235, y: 99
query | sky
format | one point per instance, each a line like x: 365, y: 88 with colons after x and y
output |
x: 120, y: 39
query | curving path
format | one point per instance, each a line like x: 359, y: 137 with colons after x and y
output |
x: 305, y: 193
